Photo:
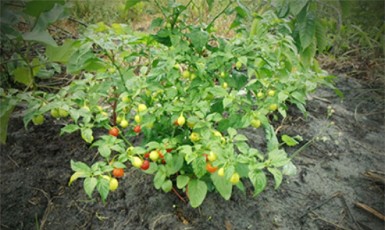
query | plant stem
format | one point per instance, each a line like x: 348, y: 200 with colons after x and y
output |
x: 178, y: 195
x: 218, y: 15
x: 161, y: 9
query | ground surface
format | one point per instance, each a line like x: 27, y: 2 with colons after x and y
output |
x: 35, y: 169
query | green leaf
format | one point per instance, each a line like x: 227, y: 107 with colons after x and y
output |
x: 308, y: 54
x: 89, y: 185
x: 289, y: 140
x: 104, y: 151
x: 39, y: 36
x: 232, y: 132
x: 174, y: 163
x: 297, y: 6
x: 62, y: 53
x: 118, y: 164
x: 159, y: 179
x: 199, y: 166
x: 278, y: 157
x: 222, y: 185
x: 23, y: 75
x: 243, y: 147
x: 307, y: 30
x: 277, y: 176
x: 227, y: 101
x: 152, y: 145
x: 240, y: 137
x: 87, y: 135
x: 36, y: 7
x: 4, y: 119
x: 51, y: 16
x: 320, y: 34
x: 131, y: 3
x: 197, y: 191
x: 167, y: 186
x: 181, y: 181
x: 218, y: 91
x: 78, y: 166
x: 103, y: 188
x: 70, y: 128
x: 259, y: 181
x: 272, y: 141
x: 199, y: 39
x: 75, y: 176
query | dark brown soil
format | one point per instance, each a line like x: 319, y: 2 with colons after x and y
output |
x: 35, y: 169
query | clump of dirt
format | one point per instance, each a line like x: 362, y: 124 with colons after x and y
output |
x: 333, y: 176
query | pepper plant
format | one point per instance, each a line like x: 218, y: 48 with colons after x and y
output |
x: 174, y: 103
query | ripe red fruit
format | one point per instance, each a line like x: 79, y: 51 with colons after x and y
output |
x: 137, y: 129
x: 145, y: 165
x: 206, y: 157
x: 114, y: 131
x: 169, y: 150
x: 118, y: 172
x: 146, y: 155
x: 161, y: 156
x: 210, y: 168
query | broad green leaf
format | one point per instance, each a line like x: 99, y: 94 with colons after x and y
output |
x: 152, y: 145
x: 105, y: 151
x: 240, y: 137
x: 23, y: 75
x: 62, y: 53
x: 197, y: 191
x: 259, y: 181
x: 46, y: 18
x: 307, y: 30
x: 174, y: 163
x: 227, y: 101
x: 89, y: 185
x: 159, y: 179
x: 297, y: 6
x: 308, y: 54
x: 36, y: 7
x: 232, y: 132
x: 320, y: 33
x: 78, y: 166
x: 218, y: 91
x: 199, y: 39
x: 70, y: 128
x: 181, y: 181
x: 167, y: 186
x: 118, y: 164
x: 272, y: 141
x: 278, y: 157
x: 4, y: 119
x: 277, y: 176
x: 243, y: 147
x: 103, y: 188
x: 199, y: 166
x: 222, y: 185
x: 75, y: 176
x: 39, y: 36
x: 289, y: 140
x: 87, y: 135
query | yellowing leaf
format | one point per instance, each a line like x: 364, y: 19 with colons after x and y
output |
x: 75, y: 176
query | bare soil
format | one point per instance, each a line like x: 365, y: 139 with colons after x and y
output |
x: 334, y: 173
